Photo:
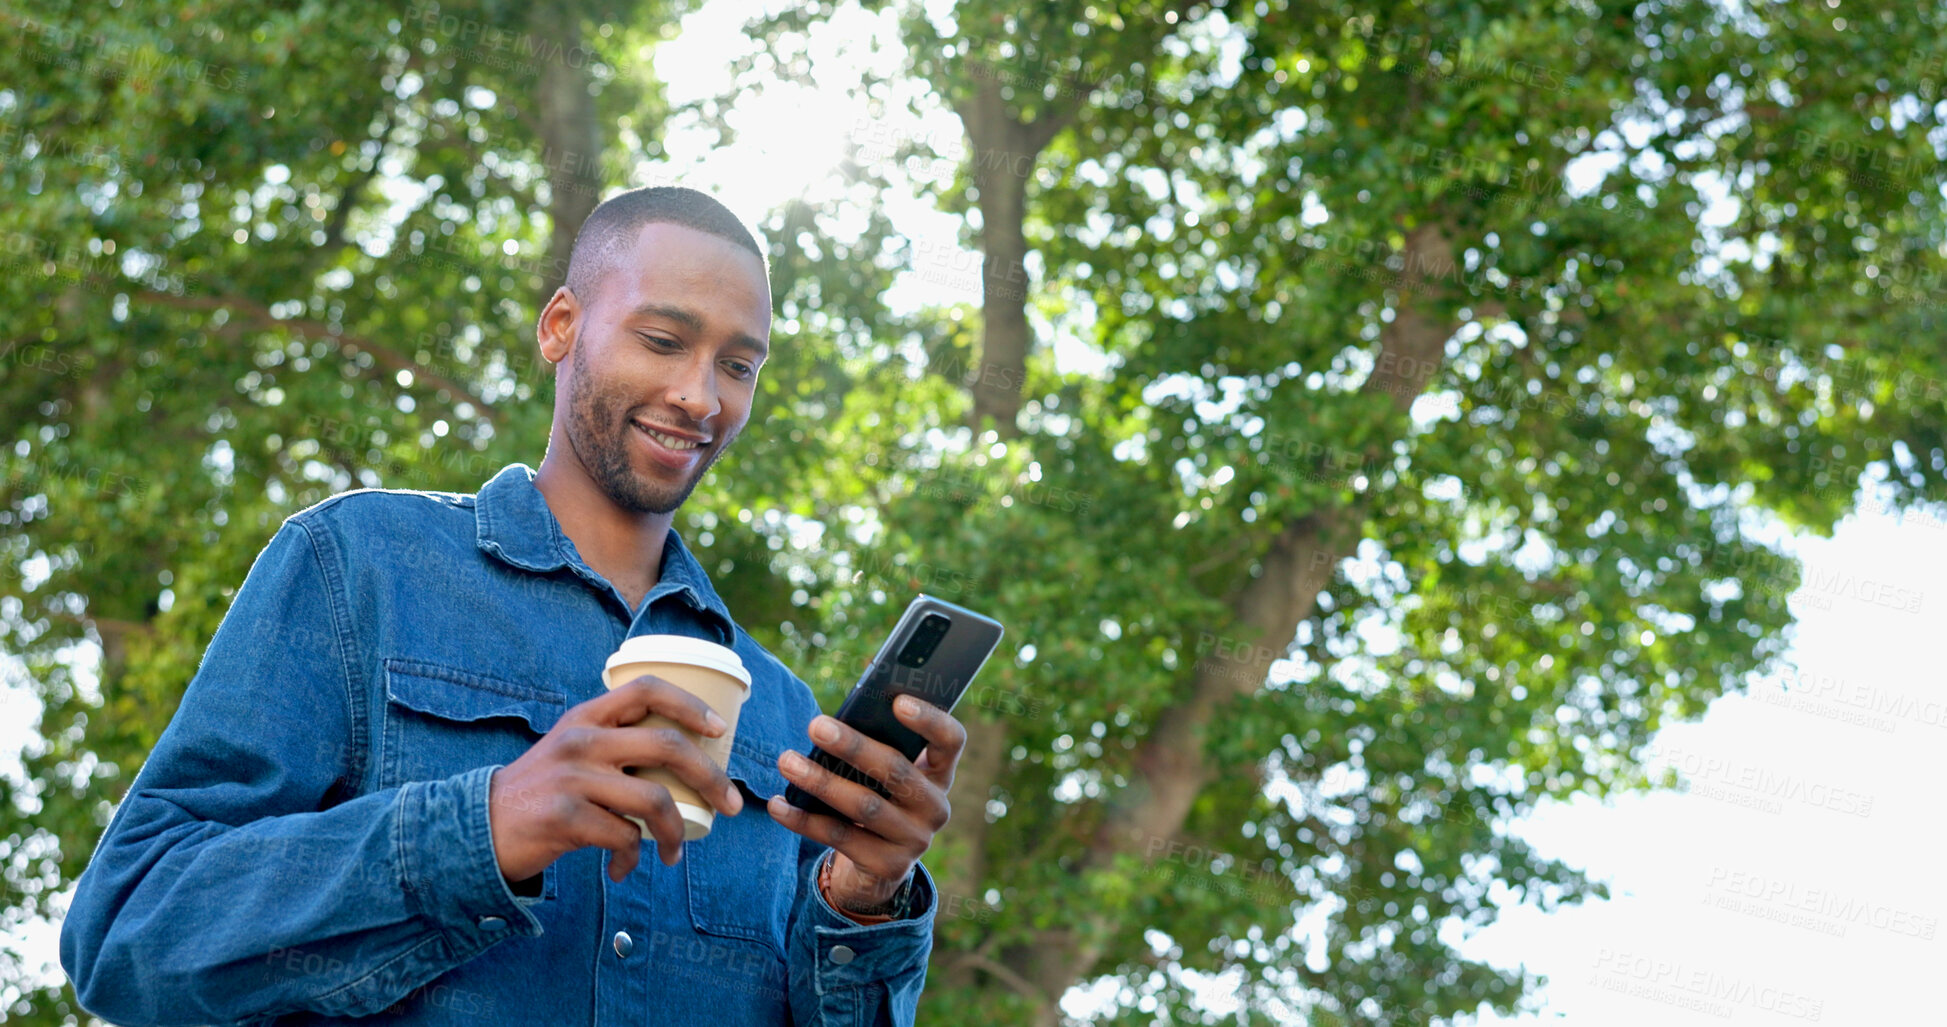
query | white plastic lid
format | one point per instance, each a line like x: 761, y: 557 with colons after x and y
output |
x: 679, y: 649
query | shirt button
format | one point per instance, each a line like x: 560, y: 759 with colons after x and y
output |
x: 624, y: 944
x: 492, y: 923
x: 842, y: 954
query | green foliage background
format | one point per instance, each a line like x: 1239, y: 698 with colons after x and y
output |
x: 1367, y: 360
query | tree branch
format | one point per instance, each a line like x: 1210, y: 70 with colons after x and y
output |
x: 1020, y: 984
x: 261, y: 316
x: 1239, y: 545
x: 1170, y: 769
x: 335, y: 228
x: 1037, y: 134
x: 107, y: 625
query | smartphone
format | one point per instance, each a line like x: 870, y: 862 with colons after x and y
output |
x: 933, y: 654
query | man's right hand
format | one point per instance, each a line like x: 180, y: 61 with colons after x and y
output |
x: 570, y: 789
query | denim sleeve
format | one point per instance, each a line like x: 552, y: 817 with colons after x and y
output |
x: 845, y: 973
x: 239, y: 880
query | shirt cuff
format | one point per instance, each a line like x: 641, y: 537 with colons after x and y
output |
x: 447, y: 860
x: 848, y: 954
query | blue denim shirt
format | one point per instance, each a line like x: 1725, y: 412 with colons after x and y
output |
x: 308, y: 843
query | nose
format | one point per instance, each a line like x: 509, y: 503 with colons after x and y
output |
x: 694, y: 391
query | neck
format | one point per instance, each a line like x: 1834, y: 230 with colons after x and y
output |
x: 624, y: 546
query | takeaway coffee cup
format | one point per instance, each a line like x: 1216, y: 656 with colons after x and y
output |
x: 706, y: 670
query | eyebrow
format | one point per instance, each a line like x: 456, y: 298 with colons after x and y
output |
x: 689, y: 319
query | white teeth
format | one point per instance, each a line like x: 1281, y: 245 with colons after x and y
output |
x: 670, y: 441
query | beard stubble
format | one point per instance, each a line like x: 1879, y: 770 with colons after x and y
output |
x: 599, y: 432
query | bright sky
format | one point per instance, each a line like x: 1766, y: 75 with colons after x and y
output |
x: 791, y: 139
x: 1800, y: 875
x: 1794, y: 882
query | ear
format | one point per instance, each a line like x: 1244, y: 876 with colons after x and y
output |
x: 559, y: 325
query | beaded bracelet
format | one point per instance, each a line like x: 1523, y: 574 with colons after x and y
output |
x: 899, y: 906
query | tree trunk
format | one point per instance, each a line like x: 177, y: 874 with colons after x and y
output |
x: 1003, y: 279
x: 973, y: 783
x: 1003, y: 154
x: 571, y: 139
x: 963, y: 876
x: 1171, y: 769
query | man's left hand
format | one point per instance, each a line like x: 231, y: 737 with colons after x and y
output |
x: 877, y: 847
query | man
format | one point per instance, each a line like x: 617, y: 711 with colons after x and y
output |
x: 395, y: 785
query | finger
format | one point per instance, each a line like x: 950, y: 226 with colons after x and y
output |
x: 644, y: 695
x: 872, y: 853
x: 585, y: 824
x: 877, y: 814
x: 612, y: 796
x: 945, y: 737
x: 665, y: 747
x: 878, y: 761
x: 625, y: 848
x: 682, y: 707
x: 622, y: 705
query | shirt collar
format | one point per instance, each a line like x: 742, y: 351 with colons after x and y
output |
x: 515, y: 525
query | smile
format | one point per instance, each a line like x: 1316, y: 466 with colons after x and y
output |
x: 668, y: 441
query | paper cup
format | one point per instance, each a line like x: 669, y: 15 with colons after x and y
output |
x: 706, y: 670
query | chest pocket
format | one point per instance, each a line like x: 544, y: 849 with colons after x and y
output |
x: 743, y: 877
x: 441, y: 721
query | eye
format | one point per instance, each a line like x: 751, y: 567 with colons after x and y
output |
x: 742, y: 369
x: 657, y: 341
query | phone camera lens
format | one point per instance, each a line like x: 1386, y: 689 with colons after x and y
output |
x: 926, y: 638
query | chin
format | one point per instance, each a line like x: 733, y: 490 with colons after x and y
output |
x: 643, y: 494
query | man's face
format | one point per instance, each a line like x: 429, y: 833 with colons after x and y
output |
x: 664, y: 364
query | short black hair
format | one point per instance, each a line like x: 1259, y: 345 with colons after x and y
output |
x: 610, y: 230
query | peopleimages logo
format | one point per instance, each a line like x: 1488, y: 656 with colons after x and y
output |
x: 1824, y: 910
x: 1820, y: 581
x: 1867, y: 705
x: 486, y: 43
x: 919, y: 574
x: 1696, y: 987
x: 144, y: 64
x: 1744, y: 784
x: 1195, y: 865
